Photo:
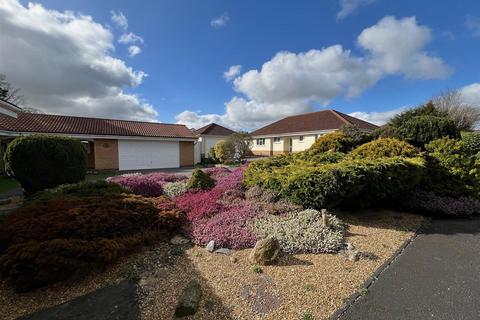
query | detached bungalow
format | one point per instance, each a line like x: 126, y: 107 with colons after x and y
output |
x: 208, y: 136
x: 110, y: 144
x: 297, y: 133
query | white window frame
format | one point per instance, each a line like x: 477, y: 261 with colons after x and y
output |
x: 276, y: 140
x: 260, y: 141
x: 300, y: 139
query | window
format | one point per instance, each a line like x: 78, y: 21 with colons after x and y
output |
x: 261, y: 142
x: 276, y: 139
x: 300, y: 138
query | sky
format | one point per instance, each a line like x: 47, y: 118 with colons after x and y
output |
x: 243, y: 63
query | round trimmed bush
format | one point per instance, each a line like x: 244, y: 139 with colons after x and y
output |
x: 200, y: 180
x: 334, y: 141
x: 384, y: 147
x: 40, y: 162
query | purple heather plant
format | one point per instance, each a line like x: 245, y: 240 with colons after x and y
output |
x: 139, y: 184
x: 217, y: 172
x: 429, y: 202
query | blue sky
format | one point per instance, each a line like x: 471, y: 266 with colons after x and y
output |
x: 184, y: 55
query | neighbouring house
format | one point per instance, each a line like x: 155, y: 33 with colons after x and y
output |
x: 208, y: 136
x: 8, y: 108
x: 110, y: 144
x: 297, y: 133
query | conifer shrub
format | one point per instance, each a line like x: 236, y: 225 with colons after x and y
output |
x: 335, y: 141
x: 200, y: 180
x: 40, y: 162
x: 384, y: 147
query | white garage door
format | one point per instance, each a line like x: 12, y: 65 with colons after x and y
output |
x: 139, y: 154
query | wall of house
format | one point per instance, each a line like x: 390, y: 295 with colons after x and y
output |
x: 209, y: 142
x: 280, y: 147
x: 262, y: 150
x: 298, y: 145
x: 106, y: 154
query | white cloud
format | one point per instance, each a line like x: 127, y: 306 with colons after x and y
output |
x: 473, y: 24
x: 378, y: 118
x: 63, y: 63
x: 397, y: 47
x: 292, y: 83
x: 134, y: 50
x: 119, y: 19
x: 232, y: 72
x: 130, y: 37
x: 194, y: 120
x: 348, y: 7
x: 471, y: 94
x: 220, y: 22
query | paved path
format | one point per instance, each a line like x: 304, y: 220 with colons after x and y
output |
x: 436, y: 277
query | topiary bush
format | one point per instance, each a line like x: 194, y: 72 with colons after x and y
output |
x: 302, y: 232
x: 40, y: 162
x: 384, y: 147
x: 334, y: 141
x: 200, y: 180
x: 50, y: 241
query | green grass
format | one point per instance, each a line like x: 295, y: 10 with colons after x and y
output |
x: 7, y: 184
x: 99, y: 176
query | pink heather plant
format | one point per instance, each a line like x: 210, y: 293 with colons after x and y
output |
x: 139, y: 184
x: 200, y: 204
x: 217, y: 172
x: 230, y: 228
x: 165, y: 177
x: 429, y: 202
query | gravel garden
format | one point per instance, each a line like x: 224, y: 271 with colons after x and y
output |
x: 290, y: 237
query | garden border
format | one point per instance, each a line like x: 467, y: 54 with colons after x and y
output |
x: 354, y: 297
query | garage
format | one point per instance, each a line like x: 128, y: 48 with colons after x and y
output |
x: 148, y: 154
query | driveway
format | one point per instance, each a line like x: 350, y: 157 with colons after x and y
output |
x: 436, y: 277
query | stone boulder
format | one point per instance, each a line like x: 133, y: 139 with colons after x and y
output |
x: 265, y: 251
x: 189, y: 300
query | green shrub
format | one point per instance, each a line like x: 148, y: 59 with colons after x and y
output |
x: 65, y: 237
x: 325, y: 157
x: 358, y: 136
x: 427, y: 109
x: 451, y: 171
x: 200, y: 180
x: 211, y: 155
x: 421, y: 130
x: 334, y: 141
x: 39, y: 162
x: 349, y: 183
x: 384, y: 147
x: 302, y: 232
x: 471, y: 142
x: 81, y: 189
x: 225, y: 151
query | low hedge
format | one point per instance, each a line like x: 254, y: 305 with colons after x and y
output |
x: 53, y: 240
x: 40, y: 162
x: 349, y: 183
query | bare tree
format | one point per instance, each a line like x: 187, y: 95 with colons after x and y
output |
x: 9, y: 93
x: 452, y: 102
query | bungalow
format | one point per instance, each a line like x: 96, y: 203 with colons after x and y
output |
x: 110, y: 144
x: 208, y: 136
x: 297, y: 133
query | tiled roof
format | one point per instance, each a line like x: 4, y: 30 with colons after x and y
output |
x: 47, y: 123
x: 314, y: 121
x: 214, y: 129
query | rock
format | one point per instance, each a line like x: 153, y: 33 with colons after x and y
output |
x: 178, y: 239
x: 353, y: 255
x: 325, y: 221
x: 189, y: 300
x: 210, y: 246
x: 223, y: 251
x: 350, y: 246
x: 265, y: 251
x: 234, y: 259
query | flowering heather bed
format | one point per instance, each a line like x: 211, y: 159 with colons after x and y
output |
x: 217, y: 172
x: 147, y: 185
x: 428, y: 202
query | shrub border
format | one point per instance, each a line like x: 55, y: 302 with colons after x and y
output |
x: 356, y: 296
